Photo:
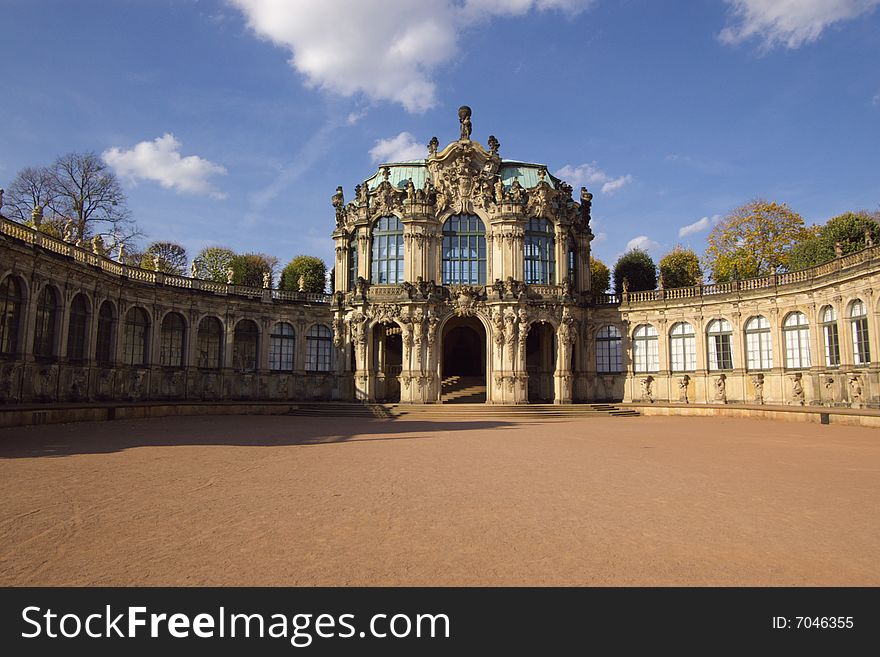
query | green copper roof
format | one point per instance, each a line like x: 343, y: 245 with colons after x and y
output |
x: 525, y: 172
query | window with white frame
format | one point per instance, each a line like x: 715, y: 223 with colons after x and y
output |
x: 682, y: 347
x: 171, y: 340
x: 759, y: 344
x: 796, y: 330
x: 858, y: 318
x: 646, y: 352
x: 831, y: 336
x: 319, y: 349
x: 609, y: 350
x: 282, y: 345
x: 719, y: 336
x: 387, y: 257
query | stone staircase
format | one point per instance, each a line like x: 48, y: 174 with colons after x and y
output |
x: 463, y: 390
x: 460, y: 411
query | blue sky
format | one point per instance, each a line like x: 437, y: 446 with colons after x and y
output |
x: 232, y: 122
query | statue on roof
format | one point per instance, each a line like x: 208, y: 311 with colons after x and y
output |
x: 433, y: 145
x: 464, y: 117
x: 586, y: 205
x: 494, y: 144
x: 362, y: 194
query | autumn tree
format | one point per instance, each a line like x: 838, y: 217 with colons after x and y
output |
x: 850, y: 230
x: 753, y: 240
x: 167, y: 257
x: 681, y: 268
x: 248, y: 268
x: 312, y: 270
x: 600, y: 276
x: 213, y: 262
x: 638, y: 268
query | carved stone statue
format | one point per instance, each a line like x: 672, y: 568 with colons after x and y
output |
x: 721, y: 389
x: 464, y: 117
x: 838, y: 249
x: 98, y: 246
x: 301, y: 283
x: 586, y: 205
x: 68, y: 230
x: 267, y: 280
x: 37, y: 215
x: 157, y: 262
x: 494, y: 144
x: 758, y: 382
x: 410, y: 191
x: 647, y: 389
x: 625, y: 286
x: 499, y: 190
x: 338, y: 199
x: 194, y: 269
x: 433, y: 145
x: 121, y: 255
x: 360, y: 287
x: 855, y: 391
x: 660, y: 281
x: 230, y: 274
x: 797, y: 389
x: 362, y: 194
x: 869, y: 239
x: 516, y: 193
x: 683, y: 382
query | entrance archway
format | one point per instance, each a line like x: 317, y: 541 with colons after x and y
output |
x: 387, y: 361
x: 463, y: 368
x: 541, y: 362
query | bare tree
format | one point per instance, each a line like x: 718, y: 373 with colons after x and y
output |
x: 32, y: 187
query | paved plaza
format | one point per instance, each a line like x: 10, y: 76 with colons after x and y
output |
x: 256, y: 500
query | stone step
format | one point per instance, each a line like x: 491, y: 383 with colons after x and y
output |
x: 465, y: 410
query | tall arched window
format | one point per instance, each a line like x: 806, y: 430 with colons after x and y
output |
x: 352, y: 260
x: 609, y: 350
x: 10, y: 314
x: 387, y: 258
x: 646, y: 353
x: 209, y: 343
x: 831, y: 336
x: 282, y: 345
x: 319, y: 349
x: 104, y: 340
x: 171, y: 340
x: 759, y: 345
x: 464, y: 250
x: 796, y: 330
x: 44, y: 330
x: 539, y: 252
x: 244, y: 346
x: 720, y: 337
x: 77, y: 329
x: 858, y: 318
x: 683, y: 347
x: 137, y: 332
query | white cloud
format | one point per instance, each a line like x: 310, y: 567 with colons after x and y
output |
x: 591, y: 174
x: 160, y: 160
x: 699, y: 225
x: 379, y: 48
x: 642, y: 242
x: 398, y: 149
x: 790, y: 23
x: 876, y: 99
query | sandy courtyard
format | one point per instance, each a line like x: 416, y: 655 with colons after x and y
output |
x: 315, y: 501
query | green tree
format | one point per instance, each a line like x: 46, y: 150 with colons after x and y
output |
x: 170, y: 257
x: 681, y: 268
x: 753, y: 240
x: 312, y: 270
x: 248, y: 268
x: 849, y: 229
x: 600, y: 276
x: 212, y: 262
x: 638, y: 268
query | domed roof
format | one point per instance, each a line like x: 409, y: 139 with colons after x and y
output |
x: 400, y: 172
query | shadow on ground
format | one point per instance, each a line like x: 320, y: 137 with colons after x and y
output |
x: 240, y: 431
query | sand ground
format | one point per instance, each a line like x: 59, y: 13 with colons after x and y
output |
x: 316, y: 501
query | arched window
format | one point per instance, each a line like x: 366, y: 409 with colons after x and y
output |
x: 77, y: 329
x: 244, y: 346
x: 137, y: 332
x: 609, y: 350
x: 759, y: 345
x: 104, y: 339
x: 539, y: 252
x: 831, y: 336
x: 646, y: 354
x: 209, y: 343
x: 171, y: 340
x: 282, y: 345
x: 464, y: 250
x: 683, y: 347
x: 319, y: 349
x: 720, y: 336
x: 352, y: 260
x: 44, y: 330
x: 796, y: 330
x: 387, y: 251
x: 10, y: 314
x: 858, y: 317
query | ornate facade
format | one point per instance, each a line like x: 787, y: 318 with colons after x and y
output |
x: 459, y: 277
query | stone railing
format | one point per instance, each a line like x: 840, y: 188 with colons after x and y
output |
x: 83, y: 255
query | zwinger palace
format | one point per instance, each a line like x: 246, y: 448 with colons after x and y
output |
x: 459, y: 277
